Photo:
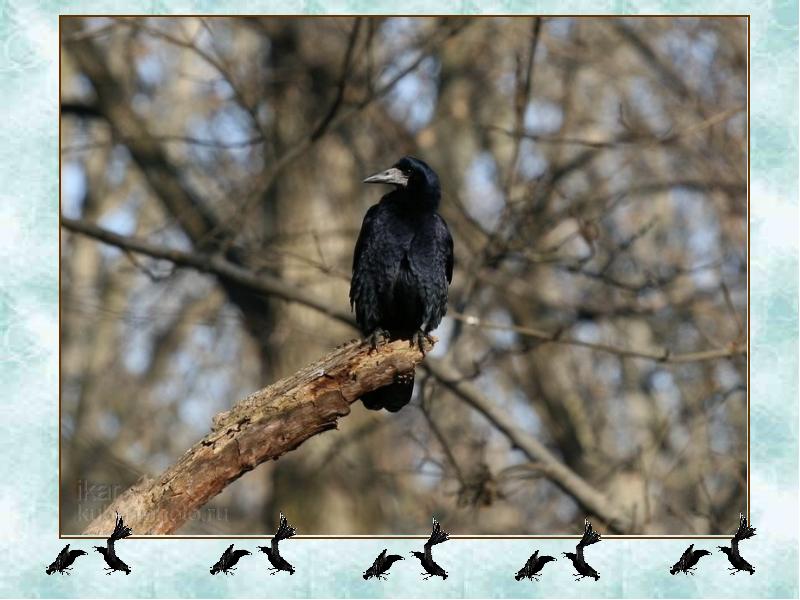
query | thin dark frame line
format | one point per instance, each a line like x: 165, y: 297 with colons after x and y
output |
x: 747, y: 18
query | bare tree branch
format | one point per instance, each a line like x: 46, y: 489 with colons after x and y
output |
x: 589, y: 498
x: 261, y: 427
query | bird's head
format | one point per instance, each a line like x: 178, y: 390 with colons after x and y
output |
x: 725, y: 549
x: 596, y: 577
x: 264, y: 549
x: 418, y: 554
x: 100, y: 549
x: 570, y: 555
x: 673, y: 570
x: 365, y: 575
x: 413, y: 175
x: 50, y: 570
x: 546, y: 559
x: 519, y: 575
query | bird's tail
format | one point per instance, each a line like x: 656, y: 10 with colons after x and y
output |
x: 437, y: 535
x: 743, y: 532
x: 285, y: 531
x: 392, y: 397
x: 590, y: 536
x: 120, y: 530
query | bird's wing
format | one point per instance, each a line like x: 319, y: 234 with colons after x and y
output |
x: 437, y: 537
x: 285, y: 531
x: 381, y: 558
x: 445, y: 242
x: 120, y: 530
x: 532, y: 559
x: 227, y: 554
x: 687, y: 554
x: 63, y: 554
x: 364, y: 237
x: 590, y: 536
x: 743, y: 532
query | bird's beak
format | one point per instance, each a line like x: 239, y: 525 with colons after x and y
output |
x: 393, y: 176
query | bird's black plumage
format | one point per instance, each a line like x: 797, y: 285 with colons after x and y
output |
x: 426, y: 558
x: 63, y: 562
x: 402, y: 266
x: 381, y: 565
x: 109, y: 553
x: 578, y: 561
x: 686, y: 563
x: 743, y: 532
x: 285, y: 531
x: 533, y: 567
x: 227, y: 562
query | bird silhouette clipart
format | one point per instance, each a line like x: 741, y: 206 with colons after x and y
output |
x: 582, y: 568
x: 533, y: 567
x: 227, y: 562
x: 380, y: 567
x: 686, y: 563
x: 285, y: 531
x: 743, y: 532
x: 108, y: 551
x: 63, y: 562
x: 432, y: 569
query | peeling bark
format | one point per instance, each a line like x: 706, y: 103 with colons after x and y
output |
x: 264, y: 426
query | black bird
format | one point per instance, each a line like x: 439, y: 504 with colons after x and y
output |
x: 228, y: 560
x: 381, y: 565
x: 437, y: 537
x: 688, y: 560
x: 63, y: 562
x: 581, y: 566
x: 743, y: 532
x: 533, y: 567
x: 285, y: 531
x: 402, y: 266
x: 113, y: 561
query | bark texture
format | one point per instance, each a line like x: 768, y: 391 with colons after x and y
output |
x: 263, y: 426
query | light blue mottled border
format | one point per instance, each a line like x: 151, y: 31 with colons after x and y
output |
x: 630, y: 568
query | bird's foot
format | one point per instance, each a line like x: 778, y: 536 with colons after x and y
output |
x: 419, y: 339
x: 376, y: 338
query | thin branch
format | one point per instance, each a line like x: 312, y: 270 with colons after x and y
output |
x: 262, y: 283
x: 565, y: 478
x: 663, y: 356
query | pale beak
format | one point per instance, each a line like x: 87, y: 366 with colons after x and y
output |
x: 393, y: 176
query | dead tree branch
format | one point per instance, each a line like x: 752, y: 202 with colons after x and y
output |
x: 261, y: 427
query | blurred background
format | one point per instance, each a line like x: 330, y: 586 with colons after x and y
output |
x: 594, y: 174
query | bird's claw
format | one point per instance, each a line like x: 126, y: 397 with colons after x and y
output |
x: 376, y: 338
x: 419, y: 339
